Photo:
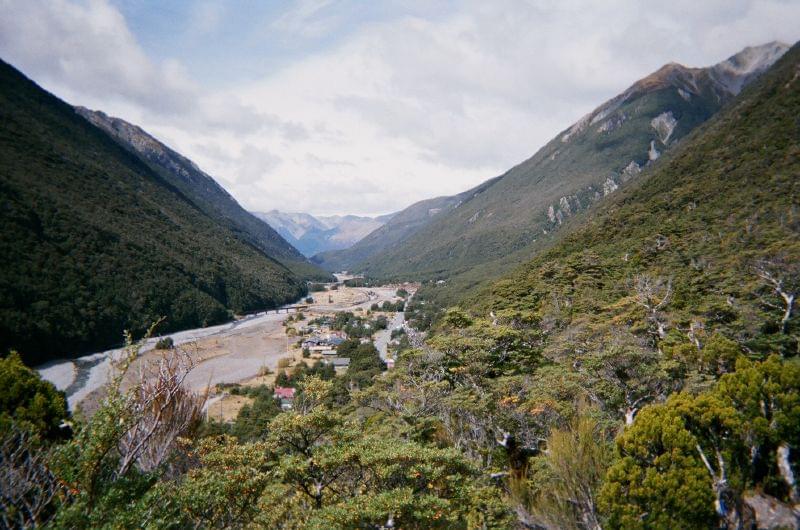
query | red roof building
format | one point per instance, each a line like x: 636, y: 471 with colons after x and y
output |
x: 284, y: 392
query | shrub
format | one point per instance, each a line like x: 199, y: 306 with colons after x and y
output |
x: 284, y: 362
x: 27, y: 400
x: 165, y: 343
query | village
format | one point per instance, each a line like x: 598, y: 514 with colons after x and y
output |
x: 317, y: 334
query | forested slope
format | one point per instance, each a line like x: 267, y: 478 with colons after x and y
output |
x: 95, y: 242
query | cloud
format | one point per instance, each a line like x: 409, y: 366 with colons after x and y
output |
x: 374, y: 112
x: 86, y: 52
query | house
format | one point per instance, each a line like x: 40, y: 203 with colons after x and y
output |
x: 389, y: 363
x: 285, y: 395
x: 320, y: 343
x: 283, y: 392
x: 341, y: 362
x: 328, y: 353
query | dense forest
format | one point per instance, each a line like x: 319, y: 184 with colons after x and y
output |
x: 640, y: 373
x: 95, y: 242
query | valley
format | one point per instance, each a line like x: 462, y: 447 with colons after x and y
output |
x: 604, y: 335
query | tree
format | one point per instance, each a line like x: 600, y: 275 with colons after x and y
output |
x: 28, y: 489
x: 133, y: 433
x: 625, y: 378
x: 653, y: 294
x: 782, y: 276
x: 658, y: 481
x: 696, y: 455
x: 29, y: 402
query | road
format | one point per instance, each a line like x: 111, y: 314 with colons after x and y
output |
x: 383, y: 337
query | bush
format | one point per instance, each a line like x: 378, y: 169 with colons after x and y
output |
x: 165, y: 343
x: 29, y: 401
x: 284, y: 362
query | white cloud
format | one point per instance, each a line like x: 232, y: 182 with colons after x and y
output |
x: 84, y: 51
x: 398, y: 110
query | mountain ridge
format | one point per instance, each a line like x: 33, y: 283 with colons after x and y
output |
x: 401, y: 225
x: 203, y: 190
x: 582, y: 164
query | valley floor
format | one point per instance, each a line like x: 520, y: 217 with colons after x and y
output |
x: 229, y: 353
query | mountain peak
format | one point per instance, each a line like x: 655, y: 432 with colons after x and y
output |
x: 735, y: 71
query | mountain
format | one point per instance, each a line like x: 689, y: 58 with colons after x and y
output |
x: 95, y: 241
x: 517, y: 214
x: 203, y: 191
x: 398, y: 227
x: 668, y: 310
x: 717, y: 221
x: 314, y: 234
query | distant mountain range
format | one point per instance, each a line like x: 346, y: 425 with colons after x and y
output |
x: 487, y: 231
x: 314, y: 234
x: 399, y: 226
x: 106, y: 230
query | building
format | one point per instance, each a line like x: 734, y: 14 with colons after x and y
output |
x: 285, y: 395
x: 389, y: 363
x: 320, y: 343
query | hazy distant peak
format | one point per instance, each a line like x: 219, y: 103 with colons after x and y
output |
x: 313, y: 234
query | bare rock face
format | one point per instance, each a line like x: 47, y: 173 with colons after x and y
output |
x: 771, y: 514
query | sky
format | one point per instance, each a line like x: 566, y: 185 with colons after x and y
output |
x: 362, y: 106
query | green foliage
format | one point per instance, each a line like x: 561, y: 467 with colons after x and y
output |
x: 315, y: 469
x: 355, y: 326
x: 28, y: 401
x: 365, y: 362
x: 393, y: 306
x: 421, y: 314
x: 661, y: 479
x: 253, y: 419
